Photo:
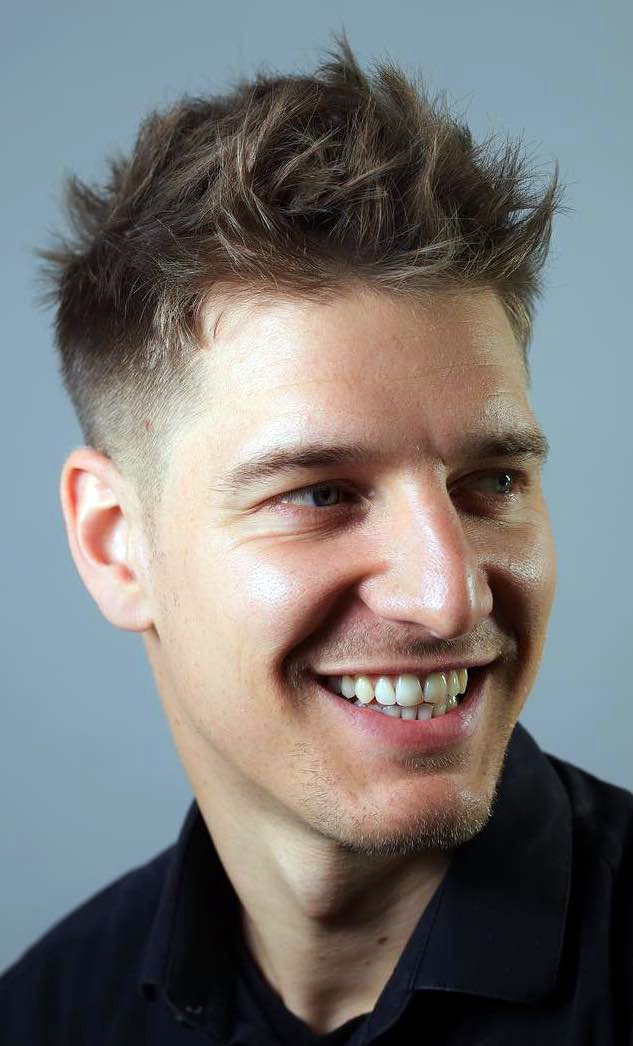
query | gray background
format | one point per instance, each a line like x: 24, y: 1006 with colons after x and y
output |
x: 90, y: 784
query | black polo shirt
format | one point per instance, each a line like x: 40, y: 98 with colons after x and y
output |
x: 528, y: 940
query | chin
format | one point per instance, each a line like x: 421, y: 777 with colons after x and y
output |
x: 442, y: 826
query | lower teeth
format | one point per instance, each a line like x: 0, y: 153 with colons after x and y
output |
x: 423, y: 711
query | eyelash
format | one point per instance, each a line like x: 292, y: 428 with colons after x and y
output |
x: 519, y: 480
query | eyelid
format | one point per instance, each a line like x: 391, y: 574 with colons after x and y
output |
x: 520, y: 475
x: 521, y: 479
x: 289, y: 494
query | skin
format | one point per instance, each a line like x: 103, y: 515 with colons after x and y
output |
x: 238, y: 594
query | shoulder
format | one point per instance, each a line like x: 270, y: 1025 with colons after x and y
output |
x: 600, y: 912
x: 601, y: 812
x: 93, y: 953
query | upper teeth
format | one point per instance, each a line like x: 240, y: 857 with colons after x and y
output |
x: 404, y: 690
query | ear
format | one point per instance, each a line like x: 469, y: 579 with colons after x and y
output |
x: 100, y: 514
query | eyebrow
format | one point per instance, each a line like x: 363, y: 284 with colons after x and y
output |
x: 526, y: 443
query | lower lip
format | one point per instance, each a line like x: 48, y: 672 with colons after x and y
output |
x: 423, y: 735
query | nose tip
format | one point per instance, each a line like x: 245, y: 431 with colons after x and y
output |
x: 451, y: 605
x: 431, y: 576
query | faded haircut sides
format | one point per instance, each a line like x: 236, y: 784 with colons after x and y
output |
x: 298, y: 185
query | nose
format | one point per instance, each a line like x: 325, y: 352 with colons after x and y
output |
x: 430, y: 573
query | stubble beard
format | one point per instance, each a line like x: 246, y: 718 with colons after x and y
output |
x: 434, y: 827
x: 426, y: 832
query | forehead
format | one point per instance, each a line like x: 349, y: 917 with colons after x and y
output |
x: 362, y: 354
x: 429, y: 332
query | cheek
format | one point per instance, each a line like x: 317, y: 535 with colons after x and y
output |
x: 242, y: 606
x: 523, y: 579
x: 280, y: 594
x: 536, y: 571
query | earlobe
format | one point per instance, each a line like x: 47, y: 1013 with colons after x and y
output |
x: 98, y: 523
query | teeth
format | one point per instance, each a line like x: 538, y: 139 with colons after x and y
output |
x: 363, y: 689
x: 435, y: 688
x: 385, y: 693
x: 452, y: 684
x: 409, y: 713
x: 404, y: 696
x: 347, y: 686
x: 408, y: 691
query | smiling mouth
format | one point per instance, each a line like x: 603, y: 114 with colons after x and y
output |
x: 406, y: 696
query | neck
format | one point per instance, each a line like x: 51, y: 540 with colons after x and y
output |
x: 313, y: 911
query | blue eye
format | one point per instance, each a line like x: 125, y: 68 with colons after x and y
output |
x: 331, y: 495
x: 321, y: 493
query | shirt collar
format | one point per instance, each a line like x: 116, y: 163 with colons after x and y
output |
x: 498, y: 919
x: 500, y: 922
x: 189, y: 955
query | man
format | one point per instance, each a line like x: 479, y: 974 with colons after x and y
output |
x: 294, y: 325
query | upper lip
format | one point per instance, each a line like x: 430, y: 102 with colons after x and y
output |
x: 405, y: 669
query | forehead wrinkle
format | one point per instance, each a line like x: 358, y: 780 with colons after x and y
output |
x: 295, y: 453
x: 418, y: 381
x: 450, y: 362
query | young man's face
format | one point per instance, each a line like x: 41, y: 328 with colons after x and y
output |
x: 415, y: 552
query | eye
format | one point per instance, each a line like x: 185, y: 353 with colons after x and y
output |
x: 508, y: 482
x: 501, y: 485
x: 323, y: 495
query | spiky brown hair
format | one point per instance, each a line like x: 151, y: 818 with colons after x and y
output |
x: 296, y: 184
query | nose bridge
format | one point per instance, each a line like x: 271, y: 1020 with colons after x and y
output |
x: 431, y: 573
